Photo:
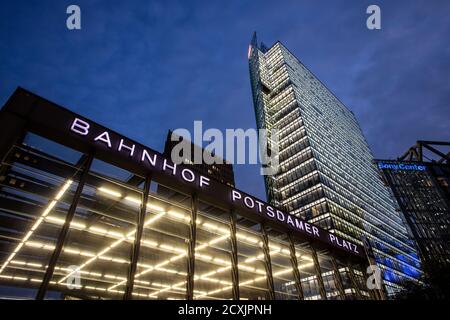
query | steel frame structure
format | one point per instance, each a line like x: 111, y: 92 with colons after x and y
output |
x: 14, y: 135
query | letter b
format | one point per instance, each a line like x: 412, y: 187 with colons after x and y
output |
x: 79, y: 126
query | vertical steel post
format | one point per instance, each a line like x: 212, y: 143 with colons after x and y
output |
x: 191, y: 249
x: 267, y: 262
x: 234, y: 256
x: 338, y: 278
x: 354, y: 282
x: 64, y: 230
x: 12, y: 131
x: 323, y: 293
x: 296, y: 271
x: 137, y: 240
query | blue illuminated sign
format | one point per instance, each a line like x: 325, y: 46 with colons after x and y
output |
x: 401, y: 166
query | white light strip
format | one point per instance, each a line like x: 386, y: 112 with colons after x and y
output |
x: 222, y: 269
x: 205, y: 245
x: 73, y: 224
x: 150, y: 205
x: 101, y: 253
x: 177, y: 257
x: 133, y: 200
x: 38, y: 222
x: 110, y: 192
x: 167, y: 287
x: 253, y: 280
x: 205, y: 277
x: 159, y: 266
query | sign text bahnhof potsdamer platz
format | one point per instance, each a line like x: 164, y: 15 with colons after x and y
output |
x: 132, y: 224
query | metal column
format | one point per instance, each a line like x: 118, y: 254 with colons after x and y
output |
x: 294, y: 263
x: 234, y: 256
x: 338, y: 278
x: 12, y: 131
x: 191, y: 249
x: 137, y: 240
x: 268, y: 263
x: 322, y: 291
x: 64, y: 230
x: 354, y: 282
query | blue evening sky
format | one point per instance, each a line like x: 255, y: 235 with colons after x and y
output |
x: 142, y: 67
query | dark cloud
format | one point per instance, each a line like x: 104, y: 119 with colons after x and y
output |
x: 142, y: 67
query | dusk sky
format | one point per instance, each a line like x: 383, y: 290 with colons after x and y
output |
x: 143, y: 67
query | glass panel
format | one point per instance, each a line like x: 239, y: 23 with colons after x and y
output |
x: 162, y: 265
x: 307, y: 271
x: 326, y: 267
x: 52, y: 148
x: 252, y: 272
x: 95, y: 259
x: 212, y: 255
x: 283, y: 276
x: 36, y: 190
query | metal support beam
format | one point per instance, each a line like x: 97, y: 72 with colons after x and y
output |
x: 322, y: 291
x: 234, y: 256
x: 12, y: 131
x: 338, y: 278
x: 445, y: 159
x: 354, y: 282
x: 267, y: 263
x: 439, y: 153
x: 420, y: 151
x: 137, y: 240
x: 64, y: 230
x: 191, y: 249
x: 416, y: 152
x: 296, y: 271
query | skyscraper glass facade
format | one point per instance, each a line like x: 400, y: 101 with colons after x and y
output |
x: 422, y: 191
x: 326, y: 172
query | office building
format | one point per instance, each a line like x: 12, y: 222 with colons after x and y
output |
x: 421, y: 187
x: 220, y: 169
x: 326, y: 171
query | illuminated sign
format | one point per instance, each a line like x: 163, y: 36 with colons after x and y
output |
x: 145, y: 156
x: 291, y: 221
x: 128, y: 154
x: 401, y: 166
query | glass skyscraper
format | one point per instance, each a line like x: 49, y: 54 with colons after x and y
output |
x: 422, y: 190
x: 326, y: 175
